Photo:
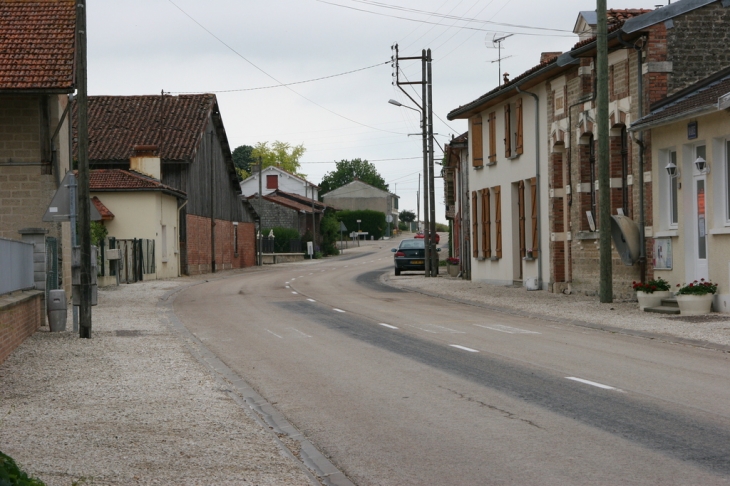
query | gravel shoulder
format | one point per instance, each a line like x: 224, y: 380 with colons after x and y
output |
x: 712, y: 331
x: 131, y: 406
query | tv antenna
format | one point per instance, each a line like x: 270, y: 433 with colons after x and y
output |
x: 497, y: 44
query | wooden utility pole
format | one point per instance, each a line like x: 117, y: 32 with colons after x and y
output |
x: 431, y: 176
x: 84, y: 220
x: 605, y: 291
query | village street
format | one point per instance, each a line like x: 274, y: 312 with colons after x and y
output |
x: 397, y: 387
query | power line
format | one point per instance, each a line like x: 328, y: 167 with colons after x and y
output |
x: 283, y: 85
x: 460, y: 27
x: 373, y: 160
x: 272, y: 77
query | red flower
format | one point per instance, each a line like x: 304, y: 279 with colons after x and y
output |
x: 701, y: 280
x: 692, y: 285
x: 678, y: 285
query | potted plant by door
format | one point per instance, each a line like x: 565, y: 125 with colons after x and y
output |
x: 452, y: 266
x: 651, y: 293
x: 696, y: 298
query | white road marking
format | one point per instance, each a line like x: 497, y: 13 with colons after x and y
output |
x: 311, y: 274
x: 464, y: 348
x: 347, y: 266
x: 388, y: 325
x: 288, y: 287
x: 507, y: 329
x: 300, y: 332
x: 592, y: 383
x: 293, y: 279
x: 337, y: 310
x: 295, y: 293
x: 301, y: 276
x: 275, y: 334
x: 311, y: 300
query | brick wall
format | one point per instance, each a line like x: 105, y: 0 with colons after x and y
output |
x: 20, y: 316
x: 199, y: 250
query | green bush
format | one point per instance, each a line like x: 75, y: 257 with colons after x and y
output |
x: 442, y: 228
x: 282, y: 237
x: 330, y: 231
x: 11, y: 475
x: 372, y: 221
x: 403, y: 226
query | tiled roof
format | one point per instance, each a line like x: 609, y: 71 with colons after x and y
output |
x: 698, y: 97
x: 37, y: 44
x: 286, y: 202
x: 174, y: 123
x: 102, y: 180
x: 106, y: 215
x: 301, y: 199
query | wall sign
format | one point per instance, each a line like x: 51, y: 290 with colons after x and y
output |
x: 662, y: 253
x: 692, y: 130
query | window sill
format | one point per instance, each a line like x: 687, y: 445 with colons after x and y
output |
x: 478, y: 167
x: 493, y: 259
x: 720, y: 231
x: 666, y: 233
x: 490, y: 164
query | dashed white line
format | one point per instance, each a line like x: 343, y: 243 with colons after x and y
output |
x: 301, y: 276
x: 388, y: 326
x: 311, y: 274
x: 311, y: 300
x: 300, y: 332
x: 288, y: 287
x: 464, y: 348
x: 592, y: 383
x: 275, y: 334
x: 507, y: 329
x: 337, y: 310
x: 295, y: 293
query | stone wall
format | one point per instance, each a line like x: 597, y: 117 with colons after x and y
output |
x: 21, y: 315
x: 275, y: 215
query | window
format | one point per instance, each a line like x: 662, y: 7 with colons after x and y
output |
x: 486, y: 225
x: 624, y: 171
x: 235, y: 239
x: 272, y: 181
x: 475, y: 225
x: 477, y: 147
x: 497, y: 221
x: 673, y: 194
x: 513, y: 129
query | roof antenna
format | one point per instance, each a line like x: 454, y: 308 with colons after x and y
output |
x: 497, y: 44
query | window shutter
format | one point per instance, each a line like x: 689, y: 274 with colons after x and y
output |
x: 521, y: 209
x: 518, y: 149
x: 486, y: 224
x: 492, y: 137
x: 477, y: 145
x: 507, y: 135
x: 498, y: 221
x: 272, y: 182
x: 533, y: 195
x: 475, y: 225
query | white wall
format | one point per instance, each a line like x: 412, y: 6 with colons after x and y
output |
x: 287, y: 183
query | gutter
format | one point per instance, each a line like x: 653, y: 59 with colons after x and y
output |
x: 702, y: 110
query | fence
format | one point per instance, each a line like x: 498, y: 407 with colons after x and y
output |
x: 138, y: 258
x: 16, y: 266
x: 273, y: 245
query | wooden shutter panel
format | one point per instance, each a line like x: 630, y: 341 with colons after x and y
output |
x: 518, y: 105
x: 492, y: 137
x: 477, y: 144
x: 486, y: 224
x: 533, y: 195
x: 521, y: 210
x: 498, y: 221
x: 474, y: 225
x: 507, y: 137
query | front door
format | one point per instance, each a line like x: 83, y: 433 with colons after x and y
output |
x: 701, y: 269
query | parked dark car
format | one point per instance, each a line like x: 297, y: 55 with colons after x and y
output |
x: 436, y: 236
x: 410, y: 255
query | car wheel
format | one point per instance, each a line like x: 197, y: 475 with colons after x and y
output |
x: 397, y: 272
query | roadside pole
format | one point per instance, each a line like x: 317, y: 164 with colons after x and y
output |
x: 604, y: 198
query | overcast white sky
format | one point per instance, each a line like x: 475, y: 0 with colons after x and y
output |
x: 145, y: 46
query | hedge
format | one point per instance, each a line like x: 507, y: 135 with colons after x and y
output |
x: 371, y: 221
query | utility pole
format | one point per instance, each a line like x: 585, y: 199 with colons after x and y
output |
x: 605, y: 291
x: 418, y: 204
x: 426, y: 173
x: 432, y: 195
x: 212, y: 206
x: 84, y: 225
x: 261, y: 236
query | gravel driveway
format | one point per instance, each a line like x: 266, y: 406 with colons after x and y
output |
x: 131, y: 406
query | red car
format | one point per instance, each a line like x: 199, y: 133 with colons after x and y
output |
x: 436, y: 237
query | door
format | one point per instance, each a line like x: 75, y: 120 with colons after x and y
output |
x: 701, y: 269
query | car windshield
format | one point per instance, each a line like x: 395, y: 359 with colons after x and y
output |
x: 412, y: 244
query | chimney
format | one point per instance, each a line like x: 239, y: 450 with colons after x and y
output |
x: 146, y: 160
x: 546, y: 56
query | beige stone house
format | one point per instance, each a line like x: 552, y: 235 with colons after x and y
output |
x: 358, y: 195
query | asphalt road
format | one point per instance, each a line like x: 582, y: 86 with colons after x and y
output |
x: 398, y: 388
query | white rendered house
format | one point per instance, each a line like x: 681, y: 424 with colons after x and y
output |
x: 275, y: 178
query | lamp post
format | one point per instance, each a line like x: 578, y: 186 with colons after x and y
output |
x: 426, y: 180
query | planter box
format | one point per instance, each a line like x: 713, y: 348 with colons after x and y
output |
x: 695, y: 305
x: 653, y: 299
x: 453, y: 270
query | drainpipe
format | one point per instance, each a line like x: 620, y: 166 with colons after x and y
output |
x: 642, y: 148
x: 537, y: 183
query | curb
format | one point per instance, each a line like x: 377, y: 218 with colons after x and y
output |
x: 667, y: 338
x: 315, y: 465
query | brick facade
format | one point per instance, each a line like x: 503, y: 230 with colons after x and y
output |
x: 199, y: 250
x: 20, y: 316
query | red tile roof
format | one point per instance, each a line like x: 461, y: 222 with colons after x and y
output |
x: 102, y: 180
x: 106, y: 215
x: 286, y: 202
x: 175, y: 124
x: 37, y: 39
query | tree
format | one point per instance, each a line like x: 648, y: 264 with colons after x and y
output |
x: 242, y: 159
x: 347, y: 171
x: 407, y: 216
x: 279, y: 153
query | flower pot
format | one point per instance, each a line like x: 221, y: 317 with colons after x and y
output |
x: 453, y: 270
x: 653, y: 299
x: 694, y: 305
